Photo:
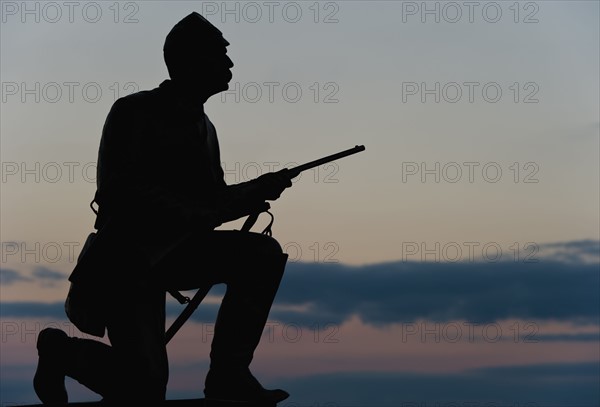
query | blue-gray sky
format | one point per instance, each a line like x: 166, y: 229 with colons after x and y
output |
x: 367, y: 58
x: 476, y: 200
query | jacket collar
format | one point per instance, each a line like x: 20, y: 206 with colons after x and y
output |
x: 181, y: 99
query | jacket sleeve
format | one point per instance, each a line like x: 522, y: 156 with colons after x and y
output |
x: 234, y: 201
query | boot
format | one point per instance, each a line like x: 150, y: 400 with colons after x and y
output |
x: 49, y: 379
x: 89, y: 362
x: 239, y: 386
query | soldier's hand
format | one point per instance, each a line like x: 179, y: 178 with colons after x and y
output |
x: 272, y: 184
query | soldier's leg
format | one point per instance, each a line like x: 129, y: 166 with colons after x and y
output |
x: 252, y: 278
x: 137, y: 334
x: 251, y: 265
x: 88, y: 361
x: 134, y: 368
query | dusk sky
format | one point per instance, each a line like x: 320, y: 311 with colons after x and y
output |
x: 456, y: 260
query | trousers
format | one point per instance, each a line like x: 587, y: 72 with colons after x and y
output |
x: 135, y: 365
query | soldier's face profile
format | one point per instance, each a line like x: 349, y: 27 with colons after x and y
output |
x: 221, y: 64
x: 213, y: 71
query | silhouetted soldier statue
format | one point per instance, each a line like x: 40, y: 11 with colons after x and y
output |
x: 160, y: 195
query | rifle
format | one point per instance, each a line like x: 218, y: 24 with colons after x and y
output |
x: 294, y: 172
x: 297, y: 170
x: 194, y: 302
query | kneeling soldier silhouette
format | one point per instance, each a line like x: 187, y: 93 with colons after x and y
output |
x: 160, y: 194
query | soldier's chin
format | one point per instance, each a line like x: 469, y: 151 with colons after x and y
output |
x: 219, y: 88
x: 225, y: 85
x: 228, y: 78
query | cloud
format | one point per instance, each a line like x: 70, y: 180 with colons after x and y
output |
x: 409, y: 291
x: 33, y: 309
x: 45, y: 273
x: 406, y: 291
x: 10, y: 276
x: 577, y: 251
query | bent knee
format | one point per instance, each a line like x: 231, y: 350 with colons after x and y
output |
x: 266, y: 245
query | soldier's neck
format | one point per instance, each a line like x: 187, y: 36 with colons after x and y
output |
x: 190, y: 94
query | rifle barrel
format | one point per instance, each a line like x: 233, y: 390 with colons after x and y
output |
x: 294, y: 172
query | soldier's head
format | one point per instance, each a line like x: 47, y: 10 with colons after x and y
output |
x: 196, y: 54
